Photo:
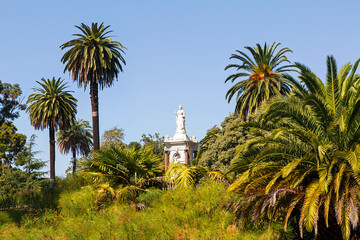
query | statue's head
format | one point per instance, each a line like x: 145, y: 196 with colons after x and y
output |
x: 180, y: 107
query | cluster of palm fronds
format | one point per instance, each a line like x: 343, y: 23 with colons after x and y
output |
x: 122, y: 174
x: 182, y: 175
x: 303, y: 161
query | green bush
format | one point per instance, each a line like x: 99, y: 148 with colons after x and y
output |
x: 5, y: 218
x: 77, y: 202
x: 150, y: 196
x: 72, y: 182
x: 6, y: 201
x: 32, y: 197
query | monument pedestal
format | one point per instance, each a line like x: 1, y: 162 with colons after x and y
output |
x: 180, y: 148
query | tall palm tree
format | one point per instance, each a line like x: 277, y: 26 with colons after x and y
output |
x: 94, y: 59
x: 77, y: 138
x: 304, y: 159
x: 258, y: 78
x: 52, y: 107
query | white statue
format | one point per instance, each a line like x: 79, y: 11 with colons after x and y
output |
x: 180, y: 120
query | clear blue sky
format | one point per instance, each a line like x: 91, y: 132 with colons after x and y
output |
x: 177, y: 51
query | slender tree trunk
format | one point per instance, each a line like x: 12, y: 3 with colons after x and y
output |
x: 74, y: 160
x: 52, y: 154
x: 95, y: 113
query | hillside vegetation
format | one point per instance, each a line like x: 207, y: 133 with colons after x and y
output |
x: 192, y: 213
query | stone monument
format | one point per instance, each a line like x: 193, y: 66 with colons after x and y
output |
x: 180, y: 148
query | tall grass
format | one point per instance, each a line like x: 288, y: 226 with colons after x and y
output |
x: 193, y: 213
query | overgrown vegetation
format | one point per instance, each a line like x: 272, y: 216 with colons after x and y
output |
x: 191, y: 213
x: 217, y: 148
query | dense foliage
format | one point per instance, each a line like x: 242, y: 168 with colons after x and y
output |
x: 11, y: 142
x: 217, y: 149
x: 113, y: 138
x: 192, y: 213
x: 10, y: 104
x: 122, y: 165
x: 155, y: 141
x: 23, y: 188
x: 304, y: 162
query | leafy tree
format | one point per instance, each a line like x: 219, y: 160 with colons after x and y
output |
x: 9, y: 102
x: 135, y: 145
x: 52, y: 107
x: 12, y: 181
x: 261, y: 75
x: 28, y: 161
x: 94, y: 59
x: 155, y: 141
x: 11, y: 142
x: 304, y: 161
x: 113, y: 137
x: 77, y: 139
x: 217, y: 149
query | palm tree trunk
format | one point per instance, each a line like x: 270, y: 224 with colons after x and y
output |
x: 95, y: 113
x: 52, y: 154
x: 74, y: 160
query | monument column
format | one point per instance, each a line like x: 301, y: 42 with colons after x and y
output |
x: 186, y: 156
x: 166, y: 153
x: 179, y: 149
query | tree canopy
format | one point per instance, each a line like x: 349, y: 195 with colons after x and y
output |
x: 10, y: 102
x: 259, y: 76
x: 217, y: 149
x: 113, y: 137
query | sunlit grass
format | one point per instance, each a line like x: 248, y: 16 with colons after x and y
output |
x: 193, y: 213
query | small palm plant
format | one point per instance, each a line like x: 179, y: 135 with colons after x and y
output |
x: 52, y: 107
x: 128, y: 170
x: 182, y: 175
x: 77, y: 139
x: 259, y: 77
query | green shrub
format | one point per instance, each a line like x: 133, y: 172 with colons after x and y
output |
x: 77, y: 202
x: 5, y: 218
x: 72, y: 182
x: 150, y: 196
x: 32, y: 197
x: 6, y: 201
